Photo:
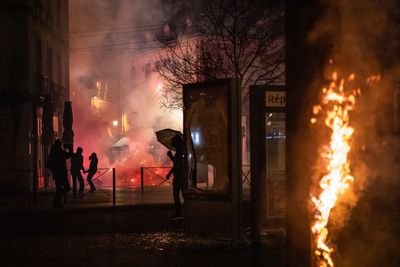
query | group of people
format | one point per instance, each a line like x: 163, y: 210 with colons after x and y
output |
x: 56, y: 163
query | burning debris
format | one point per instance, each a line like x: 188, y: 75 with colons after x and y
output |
x: 338, y: 100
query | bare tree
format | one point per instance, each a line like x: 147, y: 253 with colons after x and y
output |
x: 224, y: 39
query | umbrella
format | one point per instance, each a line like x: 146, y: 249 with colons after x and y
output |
x: 165, y: 137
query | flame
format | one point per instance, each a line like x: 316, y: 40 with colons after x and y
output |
x: 373, y: 78
x: 337, y: 105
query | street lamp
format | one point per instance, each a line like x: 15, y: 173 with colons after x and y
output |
x: 115, y: 123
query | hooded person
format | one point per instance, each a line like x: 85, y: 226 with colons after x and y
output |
x: 76, y: 167
x: 56, y: 162
x: 92, y: 171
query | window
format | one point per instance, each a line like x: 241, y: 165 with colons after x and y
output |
x: 275, y: 147
x: 206, y: 122
x: 55, y: 124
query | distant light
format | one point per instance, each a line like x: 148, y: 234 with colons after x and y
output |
x: 95, y: 97
x: 196, y: 138
x: 115, y: 123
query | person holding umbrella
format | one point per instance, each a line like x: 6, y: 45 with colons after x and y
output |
x: 178, y: 170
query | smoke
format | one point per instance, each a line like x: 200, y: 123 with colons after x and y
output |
x: 364, y: 40
x: 109, y: 44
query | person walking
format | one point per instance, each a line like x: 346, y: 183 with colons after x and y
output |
x: 92, y: 171
x: 76, y: 167
x: 178, y: 170
x: 57, y: 165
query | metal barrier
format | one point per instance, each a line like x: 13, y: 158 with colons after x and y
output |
x: 100, y: 172
x: 246, y: 174
x: 143, y: 170
x: 150, y: 169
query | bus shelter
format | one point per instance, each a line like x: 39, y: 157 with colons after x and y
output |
x: 212, y: 133
x: 268, y: 171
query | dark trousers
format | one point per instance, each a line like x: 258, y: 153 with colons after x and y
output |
x: 177, y: 188
x: 62, y: 187
x: 76, y: 175
x: 89, y: 178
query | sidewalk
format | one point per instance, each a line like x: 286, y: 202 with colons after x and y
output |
x: 100, y: 198
x: 91, y: 232
x: 92, y: 213
x: 163, y: 248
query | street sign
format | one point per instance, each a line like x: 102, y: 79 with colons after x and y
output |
x: 275, y: 99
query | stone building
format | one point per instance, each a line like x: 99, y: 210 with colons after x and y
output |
x: 34, y: 83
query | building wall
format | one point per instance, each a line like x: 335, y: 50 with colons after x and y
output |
x: 34, y: 66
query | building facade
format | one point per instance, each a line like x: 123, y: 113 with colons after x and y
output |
x: 34, y: 83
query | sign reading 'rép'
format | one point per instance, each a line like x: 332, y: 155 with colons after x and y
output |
x: 275, y: 99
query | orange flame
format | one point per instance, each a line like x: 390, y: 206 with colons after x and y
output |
x: 337, y: 105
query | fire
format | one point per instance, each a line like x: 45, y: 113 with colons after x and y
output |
x: 336, y: 103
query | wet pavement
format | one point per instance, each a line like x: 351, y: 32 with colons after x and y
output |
x: 89, y: 231
x: 101, y: 198
x: 164, y: 248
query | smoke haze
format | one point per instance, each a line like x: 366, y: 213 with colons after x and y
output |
x: 107, y: 41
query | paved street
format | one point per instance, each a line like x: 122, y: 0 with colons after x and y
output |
x: 122, y: 249
x: 90, y: 232
x: 101, y: 198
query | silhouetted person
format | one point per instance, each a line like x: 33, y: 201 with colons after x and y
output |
x: 57, y: 165
x: 76, y: 167
x: 92, y: 170
x: 178, y: 170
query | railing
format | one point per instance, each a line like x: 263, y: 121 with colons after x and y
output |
x: 246, y: 175
x: 152, y: 178
x: 154, y: 173
x: 100, y: 172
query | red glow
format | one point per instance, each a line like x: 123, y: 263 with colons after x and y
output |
x: 94, y: 134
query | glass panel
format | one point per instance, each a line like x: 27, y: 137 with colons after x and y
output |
x: 206, y: 124
x: 275, y: 162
